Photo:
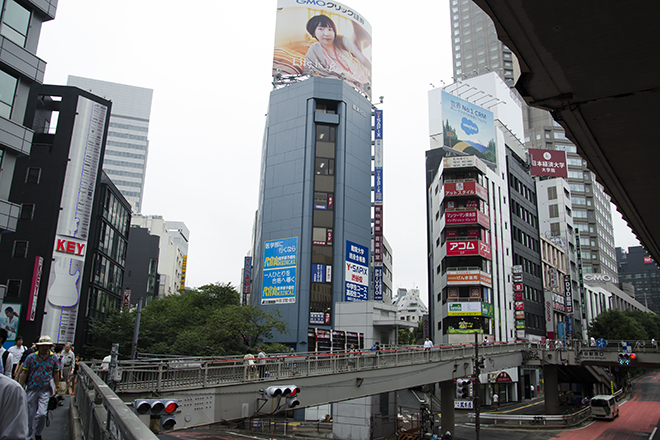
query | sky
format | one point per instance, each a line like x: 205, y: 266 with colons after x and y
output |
x: 210, y: 68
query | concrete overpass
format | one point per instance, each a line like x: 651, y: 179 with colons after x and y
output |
x: 594, y: 67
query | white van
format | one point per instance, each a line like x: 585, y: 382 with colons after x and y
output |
x: 604, y: 407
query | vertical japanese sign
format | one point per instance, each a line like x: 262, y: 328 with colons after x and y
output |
x: 279, y: 271
x: 568, y: 293
x: 34, y: 288
x: 70, y: 247
x: 378, y: 205
x: 247, y: 275
x: 357, y: 272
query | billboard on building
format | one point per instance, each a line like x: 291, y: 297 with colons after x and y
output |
x: 357, y: 272
x: 548, y: 163
x: 70, y: 247
x: 468, y: 128
x: 11, y: 315
x: 322, y: 38
x: 279, y: 271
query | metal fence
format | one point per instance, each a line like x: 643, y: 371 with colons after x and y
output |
x: 102, y: 414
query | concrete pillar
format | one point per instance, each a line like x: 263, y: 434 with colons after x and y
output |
x: 551, y: 389
x: 447, y: 394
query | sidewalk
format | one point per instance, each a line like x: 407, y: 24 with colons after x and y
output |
x: 58, y: 427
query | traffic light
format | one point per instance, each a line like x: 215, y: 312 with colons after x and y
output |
x: 163, y: 409
x: 624, y: 358
x: 459, y: 382
x: 290, y: 392
x: 465, y: 389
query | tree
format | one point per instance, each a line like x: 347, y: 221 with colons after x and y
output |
x: 617, y: 325
x: 197, y: 322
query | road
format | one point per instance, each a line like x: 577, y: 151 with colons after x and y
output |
x: 638, y: 417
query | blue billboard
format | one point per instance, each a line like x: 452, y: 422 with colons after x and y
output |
x: 357, y: 272
x: 279, y: 271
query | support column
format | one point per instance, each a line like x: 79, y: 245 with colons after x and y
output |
x: 447, y: 394
x: 551, y: 389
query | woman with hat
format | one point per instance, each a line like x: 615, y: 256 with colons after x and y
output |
x: 38, y: 370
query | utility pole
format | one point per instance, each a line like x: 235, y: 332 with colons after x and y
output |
x: 476, y: 384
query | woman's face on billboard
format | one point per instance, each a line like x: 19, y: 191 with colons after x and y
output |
x: 325, y: 35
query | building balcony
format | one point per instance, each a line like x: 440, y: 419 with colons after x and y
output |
x: 467, y: 247
x: 467, y: 217
x: 467, y: 187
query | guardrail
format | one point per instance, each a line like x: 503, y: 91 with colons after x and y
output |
x: 140, y: 376
x: 534, y: 421
x: 103, y: 415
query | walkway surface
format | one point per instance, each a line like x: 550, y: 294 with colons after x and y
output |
x: 58, y: 426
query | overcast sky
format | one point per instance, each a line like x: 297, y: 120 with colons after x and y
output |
x: 209, y: 65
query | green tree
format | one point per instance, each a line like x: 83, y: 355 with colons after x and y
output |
x: 116, y: 328
x: 617, y: 325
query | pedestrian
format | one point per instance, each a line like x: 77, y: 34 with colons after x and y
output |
x: 68, y: 359
x: 486, y: 339
x: 262, y: 363
x: 13, y: 410
x: 592, y: 341
x: 532, y: 391
x: 17, y: 351
x: 351, y: 357
x: 19, y: 369
x: 428, y: 344
x: 6, y: 359
x: 38, y: 370
x: 654, y: 343
x: 74, y: 376
x: 496, y: 400
x: 375, y: 347
x: 585, y: 401
x: 249, y: 369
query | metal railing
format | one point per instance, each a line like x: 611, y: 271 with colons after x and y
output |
x: 103, y: 415
x: 534, y: 421
x: 158, y: 375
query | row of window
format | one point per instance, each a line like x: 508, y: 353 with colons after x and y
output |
x: 123, y: 163
x: 128, y: 127
x: 522, y: 189
x: 127, y: 136
x: 524, y: 214
x: 526, y: 240
x: 113, y: 143
x: 528, y: 266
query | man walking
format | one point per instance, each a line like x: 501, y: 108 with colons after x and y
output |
x: 68, y: 359
x: 38, y: 370
x: 261, y: 359
x: 17, y: 351
x: 6, y: 359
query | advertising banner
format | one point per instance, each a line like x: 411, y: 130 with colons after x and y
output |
x: 70, y: 246
x: 568, y: 294
x: 548, y: 163
x: 466, y: 217
x: 11, y: 315
x: 126, y: 299
x: 468, y: 128
x: 469, y: 278
x: 322, y: 38
x: 464, y: 324
x: 465, y: 189
x: 34, y: 288
x: 357, y: 272
x: 464, y: 162
x: 464, y: 309
x: 247, y: 274
x: 468, y: 247
x: 279, y: 271
x: 318, y: 273
x: 378, y: 283
x: 453, y: 292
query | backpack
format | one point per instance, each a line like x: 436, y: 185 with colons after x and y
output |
x: 5, y: 355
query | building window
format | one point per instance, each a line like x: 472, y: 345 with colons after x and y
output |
x: 33, y: 175
x: 7, y: 92
x: 27, y: 211
x: 20, y: 249
x: 554, y: 211
x: 15, y: 22
x: 13, y: 288
x: 552, y: 192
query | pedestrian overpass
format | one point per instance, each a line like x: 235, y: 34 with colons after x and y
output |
x: 219, y: 390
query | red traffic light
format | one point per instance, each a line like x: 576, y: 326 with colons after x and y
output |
x: 171, y: 406
x: 633, y: 356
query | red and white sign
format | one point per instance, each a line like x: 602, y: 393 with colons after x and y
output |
x: 465, y: 189
x: 70, y: 247
x: 467, y: 217
x: 648, y: 260
x: 520, y: 305
x: 468, y: 247
x: 517, y: 287
x: 34, y: 288
x: 126, y: 303
x: 548, y: 163
x: 469, y: 278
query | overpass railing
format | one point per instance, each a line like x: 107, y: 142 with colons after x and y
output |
x: 158, y: 375
x: 103, y: 415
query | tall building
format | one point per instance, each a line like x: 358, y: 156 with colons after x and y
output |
x: 64, y: 265
x: 638, y: 268
x: 20, y: 26
x: 128, y: 145
x: 313, y: 228
x: 477, y: 51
